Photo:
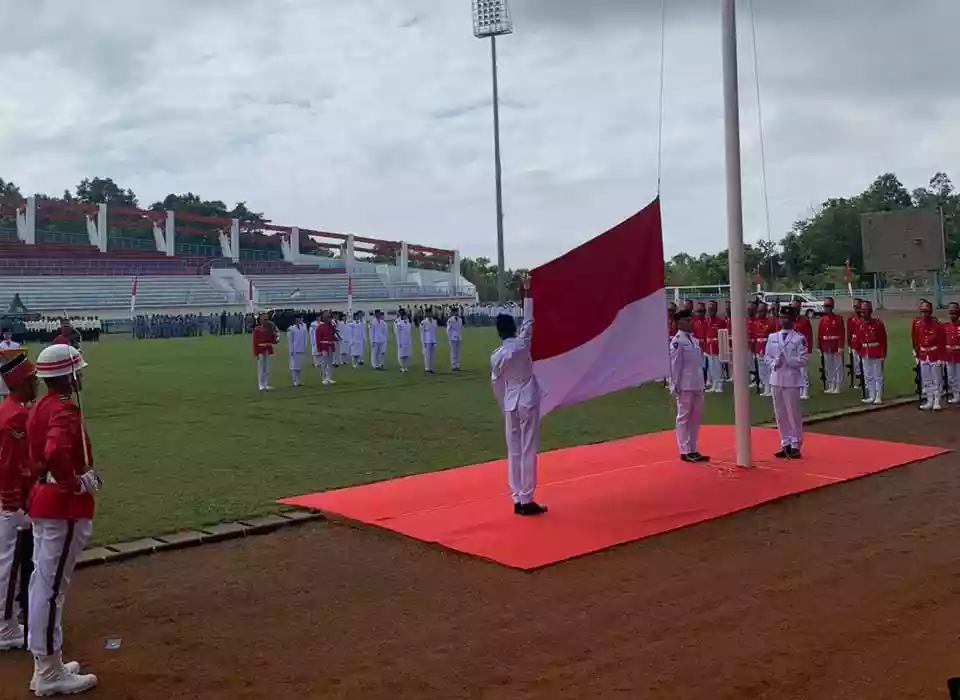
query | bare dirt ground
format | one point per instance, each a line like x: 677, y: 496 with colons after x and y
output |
x: 851, y: 591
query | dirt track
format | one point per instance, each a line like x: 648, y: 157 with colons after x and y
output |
x: 851, y: 591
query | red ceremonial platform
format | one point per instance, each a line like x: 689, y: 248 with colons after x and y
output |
x: 603, y: 495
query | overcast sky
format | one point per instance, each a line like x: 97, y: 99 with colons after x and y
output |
x: 373, y: 116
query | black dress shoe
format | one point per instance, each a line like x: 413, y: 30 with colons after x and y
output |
x: 690, y: 458
x: 697, y: 457
x: 783, y: 454
x: 531, y: 509
x: 794, y: 453
x: 517, y: 508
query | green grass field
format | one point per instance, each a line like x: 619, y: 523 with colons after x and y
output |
x: 183, y: 438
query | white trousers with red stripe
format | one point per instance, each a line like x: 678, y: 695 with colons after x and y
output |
x: 56, y: 546
x: 9, y: 568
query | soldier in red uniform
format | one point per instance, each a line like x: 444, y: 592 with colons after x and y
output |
x: 763, y: 327
x: 66, y: 335
x: 853, y: 340
x: 711, y: 348
x: 872, y: 341
x: 16, y: 541
x: 61, y: 506
x: 802, y: 325
x: 752, y: 343
x: 952, y: 352
x: 830, y: 343
x: 264, y: 338
x: 929, y: 340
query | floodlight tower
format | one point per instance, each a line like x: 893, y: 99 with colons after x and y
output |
x: 491, y: 18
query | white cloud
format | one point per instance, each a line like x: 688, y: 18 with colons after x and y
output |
x: 374, y: 116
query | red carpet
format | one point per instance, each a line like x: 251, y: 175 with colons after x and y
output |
x: 603, y: 495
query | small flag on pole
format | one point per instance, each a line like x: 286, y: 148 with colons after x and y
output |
x: 133, y: 296
x: 296, y: 293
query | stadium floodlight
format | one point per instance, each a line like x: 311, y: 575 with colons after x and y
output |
x: 491, y: 18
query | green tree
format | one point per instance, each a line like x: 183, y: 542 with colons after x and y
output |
x: 100, y: 190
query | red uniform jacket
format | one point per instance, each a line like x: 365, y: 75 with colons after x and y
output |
x: 803, y: 327
x: 872, y: 339
x: 752, y: 334
x: 63, y: 338
x: 326, y: 336
x: 711, y: 342
x: 263, y: 341
x: 830, y: 333
x: 951, y: 332
x: 853, y: 336
x: 700, y: 324
x: 764, y: 327
x: 14, y: 455
x: 57, y: 453
x: 928, y: 339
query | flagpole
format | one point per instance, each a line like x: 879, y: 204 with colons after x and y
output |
x: 738, y: 273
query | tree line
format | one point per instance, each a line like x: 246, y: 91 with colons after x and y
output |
x: 813, y: 254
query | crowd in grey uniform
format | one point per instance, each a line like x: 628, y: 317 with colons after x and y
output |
x: 190, y: 325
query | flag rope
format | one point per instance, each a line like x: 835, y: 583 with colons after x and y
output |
x: 763, y: 150
x: 663, y: 41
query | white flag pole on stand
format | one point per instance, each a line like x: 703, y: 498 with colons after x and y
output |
x: 738, y: 273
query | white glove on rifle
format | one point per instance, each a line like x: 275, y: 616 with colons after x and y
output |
x: 90, y: 482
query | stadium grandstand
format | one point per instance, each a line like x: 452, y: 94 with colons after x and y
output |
x: 61, y: 255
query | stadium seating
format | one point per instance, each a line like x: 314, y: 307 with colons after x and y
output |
x: 276, y: 289
x: 58, y: 294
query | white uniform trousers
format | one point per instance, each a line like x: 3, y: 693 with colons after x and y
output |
x: 326, y: 364
x: 805, y: 375
x: 263, y: 371
x: 403, y: 358
x: 454, y: 354
x: 295, y: 361
x: 429, y: 354
x: 953, y: 380
x: 857, y: 365
x: 523, y: 444
x: 833, y: 368
x: 789, y: 415
x: 377, y: 352
x: 316, y: 359
x: 931, y: 377
x: 9, y: 571
x: 56, y: 546
x: 338, y: 353
x: 873, y: 377
x: 764, y: 374
x: 689, y: 410
x: 715, y: 373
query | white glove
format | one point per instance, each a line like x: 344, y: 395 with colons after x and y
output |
x: 19, y: 519
x: 90, y: 482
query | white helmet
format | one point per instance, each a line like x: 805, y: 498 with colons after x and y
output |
x: 59, y: 361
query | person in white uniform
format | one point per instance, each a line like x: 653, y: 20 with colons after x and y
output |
x: 518, y: 394
x: 786, y: 356
x: 687, y: 386
x: 455, y: 335
x: 297, y: 346
x: 358, y: 338
x: 428, y: 341
x: 404, y: 337
x: 379, y: 332
x: 8, y: 343
x: 338, y: 329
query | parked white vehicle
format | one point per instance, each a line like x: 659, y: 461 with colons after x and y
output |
x: 810, y: 306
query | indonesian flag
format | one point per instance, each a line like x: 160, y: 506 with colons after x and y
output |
x: 601, y: 314
x: 758, y: 280
x: 133, y: 296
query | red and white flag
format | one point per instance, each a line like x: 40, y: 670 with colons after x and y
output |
x: 133, y: 296
x: 601, y: 314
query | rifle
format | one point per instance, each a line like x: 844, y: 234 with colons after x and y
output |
x: 823, y: 371
x: 945, y: 382
x: 706, y: 370
x: 862, y: 377
x: 756, y: 374
x: 851, y: 368
x: 918, y: 382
